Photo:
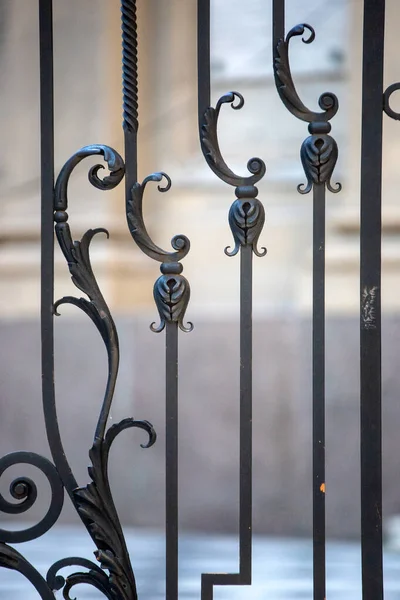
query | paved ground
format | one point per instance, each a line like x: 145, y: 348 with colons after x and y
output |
x: 281, y: 567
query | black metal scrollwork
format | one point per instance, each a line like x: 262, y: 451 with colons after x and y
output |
x: 171, y: 290
x: 94, y: 502
x: 246, y: 215
x: 24, y: 489
x: 11, y: 559
x: 210, y: 145
x: 319, y: 152
x: 328, y: 102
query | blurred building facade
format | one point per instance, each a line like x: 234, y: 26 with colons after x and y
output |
x: 88, y: 101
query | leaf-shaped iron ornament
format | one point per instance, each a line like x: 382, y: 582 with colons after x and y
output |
x: 172, y: 290
x: 246, y: 219
x: 246, y: 215
x: 94, y: 502
x: 319, y: 152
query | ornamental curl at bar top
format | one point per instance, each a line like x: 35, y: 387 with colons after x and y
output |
x: 246, y: 215
x: 328, y: 102
x: 171, y: 290
x: 211, y: 150
x: 319, y: 152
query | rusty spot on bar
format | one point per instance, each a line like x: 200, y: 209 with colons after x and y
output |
x: 322, y: 488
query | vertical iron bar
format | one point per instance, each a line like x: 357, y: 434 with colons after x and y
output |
x: 246, y: 351
x: 171, y: 461
x: 243, y: 577
x: 203, y: 56
x: 318, y: 391
x: 246, y: 428
x: 47, y: 240
x: 278, y: 23
x: 370, y: 301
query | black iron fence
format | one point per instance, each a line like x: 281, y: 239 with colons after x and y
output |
x: 113, y: 574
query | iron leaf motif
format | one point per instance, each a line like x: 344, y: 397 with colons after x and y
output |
x: 171, y: 295
x: 246, y: 219
x: 319, y: 154
x: 97, y: 510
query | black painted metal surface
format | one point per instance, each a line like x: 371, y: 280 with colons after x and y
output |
x: 370, y: 301
x: 318, y: 153
x: 113, y: 574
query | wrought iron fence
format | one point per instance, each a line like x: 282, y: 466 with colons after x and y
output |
x: 113, y: 575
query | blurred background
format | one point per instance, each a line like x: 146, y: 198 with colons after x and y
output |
x: 88, y: 110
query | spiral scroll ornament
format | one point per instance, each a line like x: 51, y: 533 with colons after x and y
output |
x: 24, y: 490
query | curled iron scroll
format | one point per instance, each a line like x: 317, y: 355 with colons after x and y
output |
x: 134, y: 213
x: 328, y: 101
x: 211, y: 150
x: 171, y: 290
x: 24, y: 490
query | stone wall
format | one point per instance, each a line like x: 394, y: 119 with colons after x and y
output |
x: 208, y: 442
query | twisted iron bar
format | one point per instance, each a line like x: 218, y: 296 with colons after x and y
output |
x: 129, y: 65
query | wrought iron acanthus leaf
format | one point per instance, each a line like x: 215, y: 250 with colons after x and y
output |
x: 94, y: 502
